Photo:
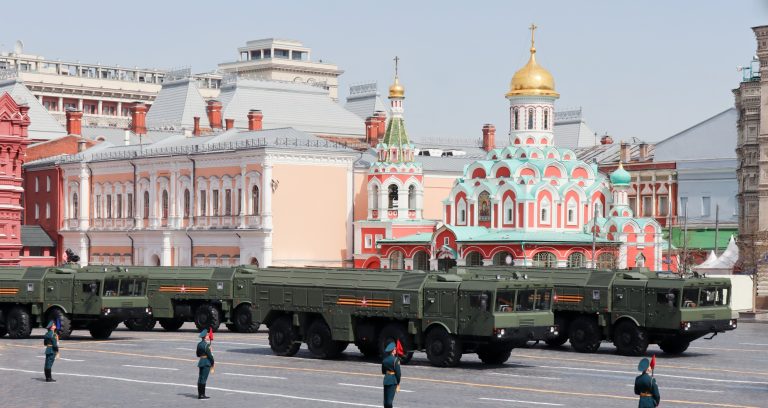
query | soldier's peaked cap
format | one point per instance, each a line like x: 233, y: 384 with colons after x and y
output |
x: 390, y: 347
x: 643, y: 365
x: 203, y: 334
x: 50, y: 324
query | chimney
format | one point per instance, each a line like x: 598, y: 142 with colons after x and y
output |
x: 624, y: 153
x: 138, y: 118
x: 254, y: 119
x: 489, y: 136
x: 372, y: 130
x: 196, y: 130
x: 230, y: 123
x: 382, y: 116
x: 644, y: 156
x: 74, y: 122
x: 606, y: 139
x: 213, y: 109
x: 127, y: 138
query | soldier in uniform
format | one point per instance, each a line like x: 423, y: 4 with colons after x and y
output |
x: 390, y: 367
x: 205, y: 364
x: 645, y: 386
x: 51, y: 343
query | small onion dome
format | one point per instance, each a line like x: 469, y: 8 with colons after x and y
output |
x: 396, y: 90
x: 620, y: 177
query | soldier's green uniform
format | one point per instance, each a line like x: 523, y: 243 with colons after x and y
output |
x: 645, y: 387
x: 390, y: 367
x: 205, y: 364
x: 51, y: 343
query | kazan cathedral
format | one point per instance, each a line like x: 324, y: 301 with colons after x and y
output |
x: 526, y: 204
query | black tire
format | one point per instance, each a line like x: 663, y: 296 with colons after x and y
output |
x: 143, y: 324
x: 231, y: 327
x: 101, y: 330
x: 562, y: 333
x: 584, y: 334
x: 171, y: 325
x: 341, y: 346
x: 3, y: 331
x: 243, y: 321
x: 207, y: 316
x: 282, y: 337
x: 494, y: 354
x: 57, y: 315
x: 393, y: 332
x: 443, y: 349
x: 320, y: 340
x: 369, y: 350
x: 674, y: 345
x: 629, y: 339
x: 18, y: 323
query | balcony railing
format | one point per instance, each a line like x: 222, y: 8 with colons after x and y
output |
x: 221, y: 221
x: 112, y: 223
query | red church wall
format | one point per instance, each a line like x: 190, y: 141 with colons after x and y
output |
x: 580, y: 172
x: 42, y: 196
x: 14, y: 121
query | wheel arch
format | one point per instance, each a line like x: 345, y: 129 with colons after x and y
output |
x: 435, y: 325
x: 55, y: 306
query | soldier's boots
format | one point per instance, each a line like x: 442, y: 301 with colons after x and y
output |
x: 201, y: 392
x: 48, y: 377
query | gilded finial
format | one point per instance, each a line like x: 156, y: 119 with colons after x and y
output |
x: 533, y: 28
x: 397, y: 59
x: 396, y: 90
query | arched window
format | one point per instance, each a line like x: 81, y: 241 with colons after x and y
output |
x: 396, y: 260
x: 255, y: 200
x: 165, y: 204
x: 474, y: 259
x: 545, y: 260
x: 420, y: 261
x: 640, y: 260
x: 75, y: 206
x: 187, y: 203
x: 509, y: 211
x: 571, y: 212
x: 412, y: 197
x: 606, y: 260
x: 546, y: 118
x: 254, y: 262
x: 503, y: 258
x: 530, y: 118
x: 393, y: 196
x: 516, y: 118
x: 576, y: 260
x: 146, y: 205
x: 461, y: 212
x: 375, y: 198
x: 545, y: 213
x: 598, y: 209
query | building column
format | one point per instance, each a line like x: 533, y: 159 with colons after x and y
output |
x: 61, y: 104
x: 266, y: 214
x: 119, y: 109
x: 243, y: 201
x: 165, y: 256
x: 153, y: 218
x: 80, y: 104
x: 383, y: 203
x: 83, y: 250
x: 173, y: 202
x: 85, y: 199
x: 98, y: 110
x: 419, y: 204
x: 402, y: 204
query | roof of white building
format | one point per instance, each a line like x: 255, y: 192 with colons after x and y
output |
x: 712, y: 138
x: 571, y: 130
x: 42, y: 125
x: 364, y: 99
x: 177, y: 103
x: 609, y: 153
x: 288, y: 104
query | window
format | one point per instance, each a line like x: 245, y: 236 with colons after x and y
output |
x: 509, y: 211
x: 396, y: 260
x: 633, y: 204
x: 255, y: 200
x: 530, y: 118
x: 281, y: 53
x: 576, y: 260
x: 606, y: 261
x: 37, y: 211
x: 368, y: 241
x: 546, y: 118
x: 203, y: 204
x: 111, y: 287
x: 119, y: 213
x: 75, y: 206
x: 668, y: 298
x: 571, y: 212
x: 393, y: 196
x: 683, y: 206
x: 640, y: 261
x: 228, y: 202
x: 239, y: 201
x: 47, y: 211
x: 446, y: 241
x: 165, y: 204
x: 545, y: 259
x: 377, y: 238
x: 375, y: 198
x: 36, y: 185
x: 706, y: 206
x: 663, y: 206
x: 109, y: 205
x: 215, y: 202
x: 420, y: 261
x: 516, y: 119
x: 187, y: 203
x: 545, y: 214
x: 98, y: 206
x: 647, y: 206
x: 130, y: 206
x: 503, y: 258
x: 48, y: 184
x: 479, y: 300
x: 92, y: 288
x: 411, y: 197
x: 461, y: 212
x: 146, y: 205
x: 474, y: 259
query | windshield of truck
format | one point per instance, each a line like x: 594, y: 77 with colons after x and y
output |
x: 704, y: 297
x: 524, y: 300
x: 111, y: 287
x: 543, y: 299
x: 505, y: 301
x: 125, y: 287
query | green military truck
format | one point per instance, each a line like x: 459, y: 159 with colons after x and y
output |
x: 445, y: 315
x: 632, y: 308
x: 205, y: 296
x: 78, y: 298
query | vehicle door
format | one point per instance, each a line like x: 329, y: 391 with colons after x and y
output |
x: 87, y: 295
x: 474, y: 312
x: 662, y: 302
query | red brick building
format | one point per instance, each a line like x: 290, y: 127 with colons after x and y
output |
x: 14, y: 122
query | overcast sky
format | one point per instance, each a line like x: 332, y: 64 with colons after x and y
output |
x: 644, y: 69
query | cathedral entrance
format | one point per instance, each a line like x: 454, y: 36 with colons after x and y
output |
x: 445, y: 264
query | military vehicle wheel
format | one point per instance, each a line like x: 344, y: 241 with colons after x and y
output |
x: 231, y: 327
x: 674, y: 345
x: 393, y: 332
x: 629, y: 339
x: 171, y: 324
x: 207, y: 316
x: 3, y: 331
x: 57, y: 315
x: 282, y: 337
x: 320, y: 341
x: 243, y: 320
x: 341, y: 346
x: 584, y: 335
x: 562, y: 333
x: 494, y: 354
x: 443, y: 349
x: 101, y: 330
x: 18, y: 323
x: 369, y: 350
x: 142, y: 324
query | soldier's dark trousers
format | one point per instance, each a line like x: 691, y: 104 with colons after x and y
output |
x: 202, y: 378
x: 389, y: 395
x: 49, y: 359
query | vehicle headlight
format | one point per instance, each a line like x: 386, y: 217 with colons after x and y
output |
x: 552, y: 329
x: 148, y: 310
x: 685, y: 325
x: 733, y: 323
x: 499, y: 332
x: 107, y: 311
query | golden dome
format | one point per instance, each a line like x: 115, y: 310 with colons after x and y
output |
x: 396, y: 90
x: 532, y: 79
